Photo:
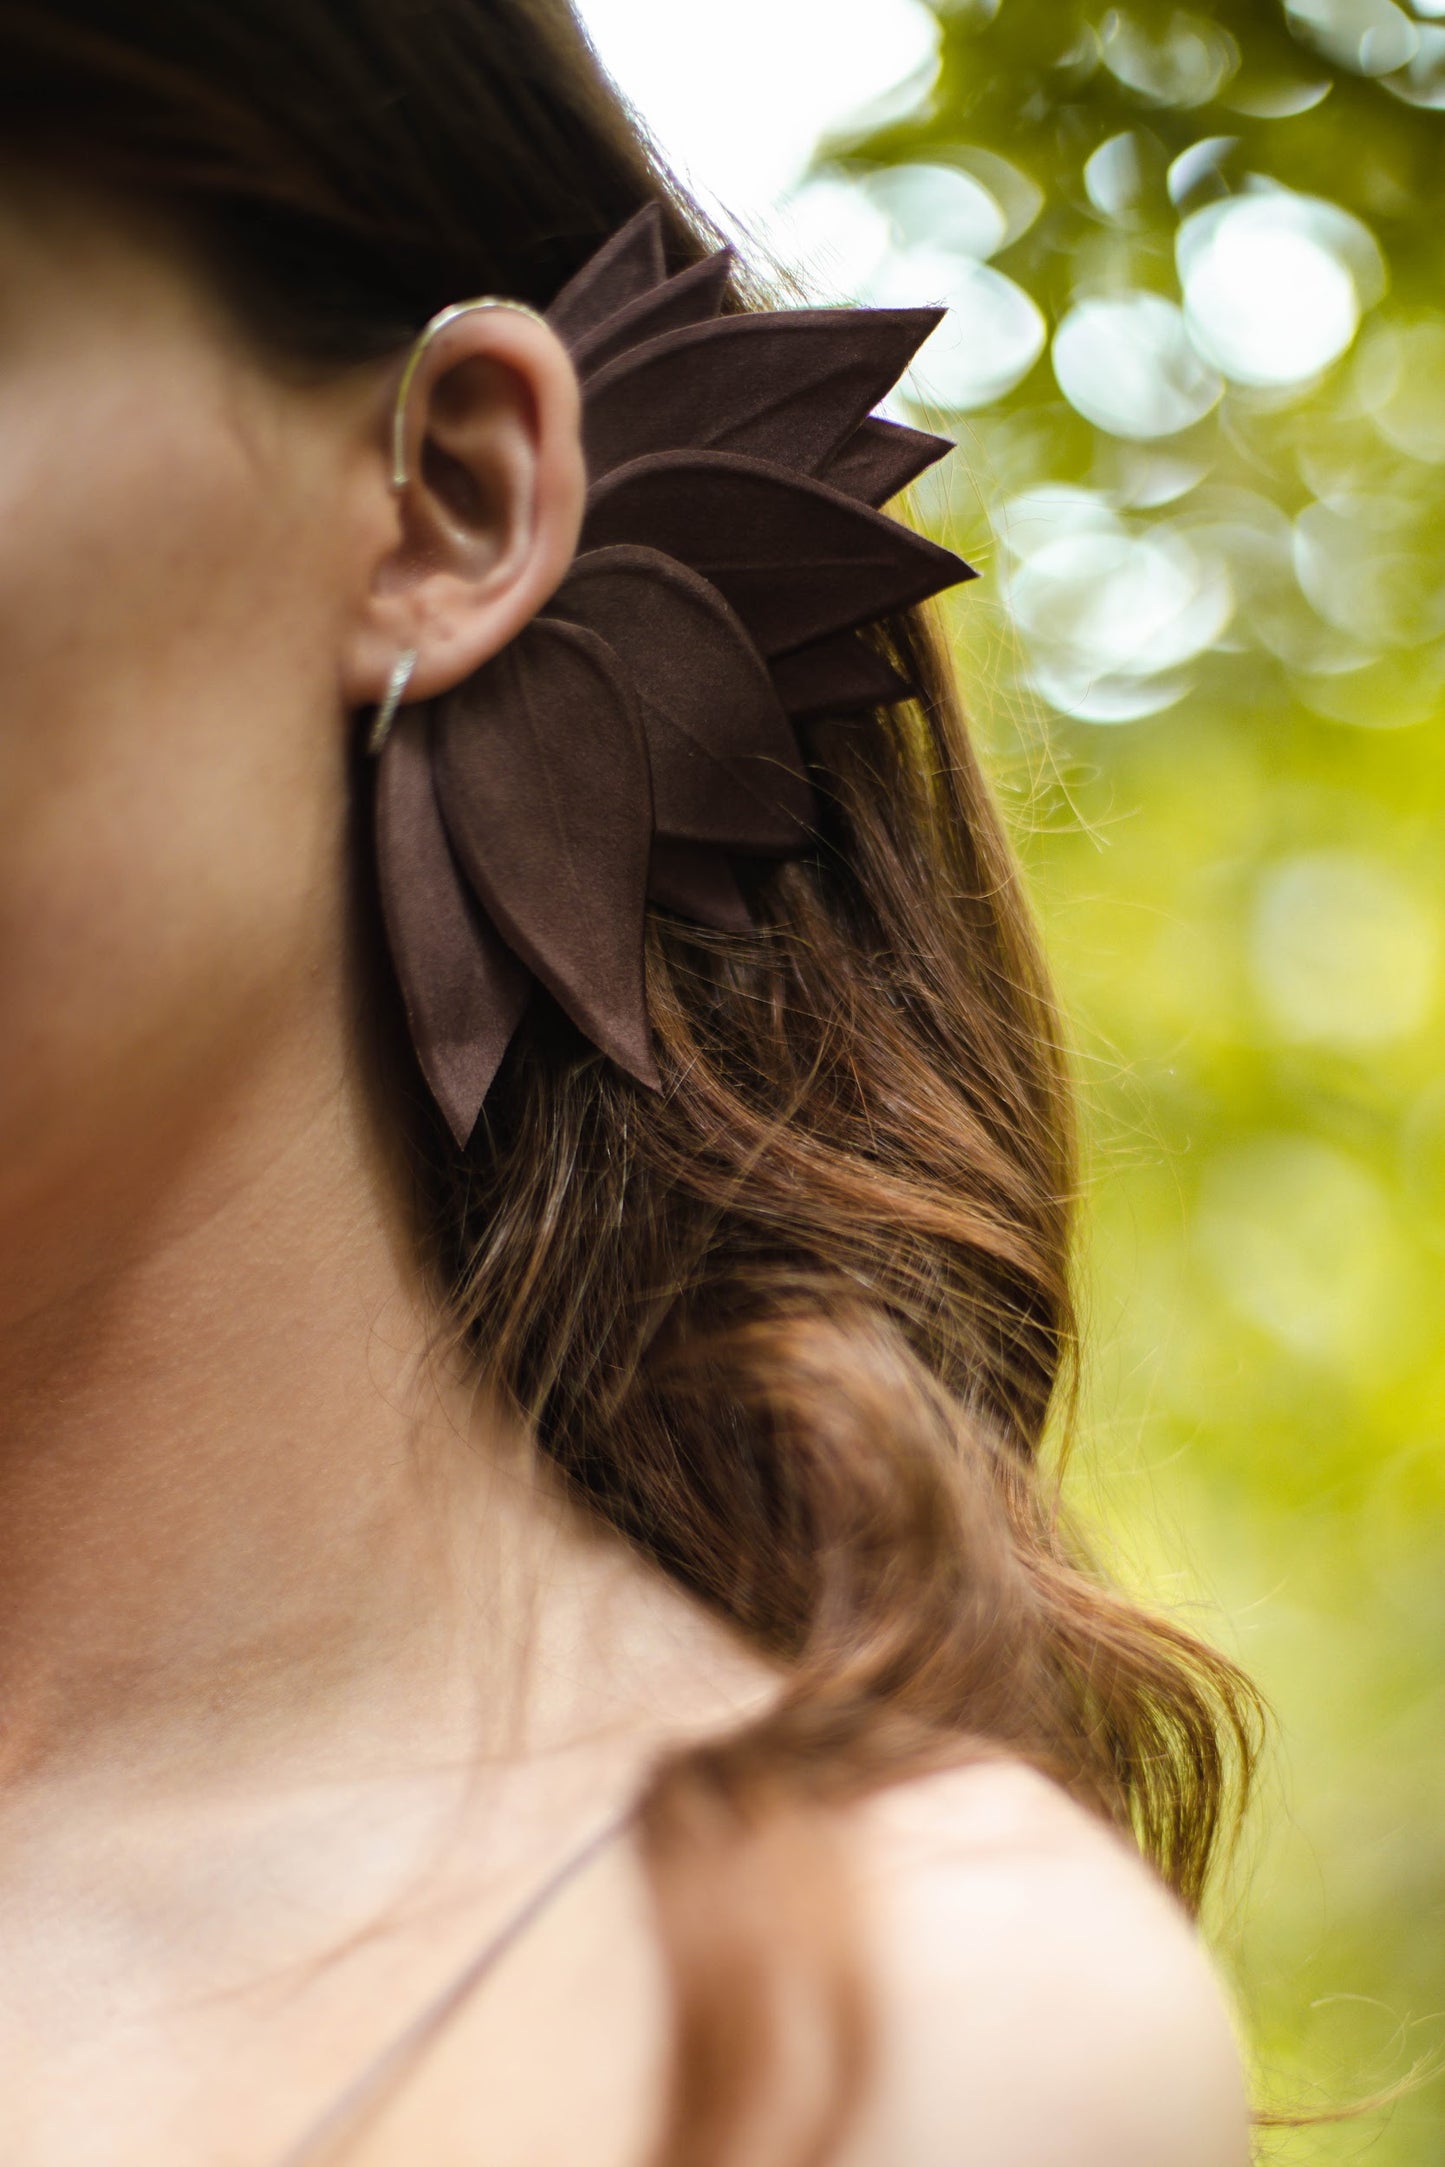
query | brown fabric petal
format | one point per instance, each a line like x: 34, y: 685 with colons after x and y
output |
x: 543, y: 782
x: 794, y: 558
x: 698, y: 884
x: 837, y: 676
x: 463, y: 989
x: 693, y: 297
x: 880, y: 458
x: 631, y: 263
x: 725, y: 764
x: 786, y: 388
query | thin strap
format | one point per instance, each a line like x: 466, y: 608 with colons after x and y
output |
x: 365, y: 2090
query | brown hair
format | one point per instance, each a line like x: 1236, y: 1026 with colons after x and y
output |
x: 797, y: 1324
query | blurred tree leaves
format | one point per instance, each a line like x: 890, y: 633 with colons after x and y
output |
x: 1196, y: 260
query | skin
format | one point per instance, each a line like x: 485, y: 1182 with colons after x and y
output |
x: 308, y: 1676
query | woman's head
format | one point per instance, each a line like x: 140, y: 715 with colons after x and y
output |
x: 204, y: 572
x: 796, y: 1323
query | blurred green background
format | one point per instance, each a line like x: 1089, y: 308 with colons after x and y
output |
x: 1196, y: 260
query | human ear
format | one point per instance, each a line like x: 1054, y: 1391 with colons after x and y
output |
x: 487, y: 472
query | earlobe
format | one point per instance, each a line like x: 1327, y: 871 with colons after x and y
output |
x: 489, y: 481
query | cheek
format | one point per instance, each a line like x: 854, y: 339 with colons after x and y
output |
x: 171, y: 756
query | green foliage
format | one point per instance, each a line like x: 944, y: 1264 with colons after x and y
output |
x: 1209, y: 658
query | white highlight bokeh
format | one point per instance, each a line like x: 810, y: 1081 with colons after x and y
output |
x: 1299, y: 1238
x: 1112, y: 612
x: 918, y: 236
x: 737, y: 101
x: 1115, y: 609
x: 1343, y: 953
x: 1127, y: 364
x: 1373, y: 37
x: 1275, y: 284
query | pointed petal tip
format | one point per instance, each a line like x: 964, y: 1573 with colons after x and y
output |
x: 881, y: 458
x: 462, y: 988
x: 630, y: 1049
x: 461, y: 1117
x: 648, y: 1074
x: 693, y: 296
x: 837, y: 676
x: 629, y: 263
x: 639, y: 235
x: 790, y: 386
x: 698, y: 882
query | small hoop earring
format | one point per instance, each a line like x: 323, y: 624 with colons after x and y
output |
x: 385, y: 716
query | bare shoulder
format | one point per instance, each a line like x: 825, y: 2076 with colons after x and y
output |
x: 1042, y: 2000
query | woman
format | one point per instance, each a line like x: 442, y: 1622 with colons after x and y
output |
x: 550, y: 1645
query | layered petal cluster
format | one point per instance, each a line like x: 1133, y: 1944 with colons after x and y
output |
x: 639, y: 733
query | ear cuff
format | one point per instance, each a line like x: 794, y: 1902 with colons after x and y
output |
x: 639, y: 733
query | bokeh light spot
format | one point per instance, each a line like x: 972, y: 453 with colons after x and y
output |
x: 1199, y: 171
x: 939, y: 207
x: 1400, y: 377
x: 1299, y: 1238
x: 1185, y: 63
x: 1270, y: 293
x: 913, y: 236
x: 1017, y: 194
x: 1343, y: 953
x: 1110, y: 612
x: 1128, y: 365
x: 1277, y: 97
x: 1371, y: 568
x: 1423, y: 81
x: 990, y: 339
x: 1373, y: 37
x: 1114, y: 178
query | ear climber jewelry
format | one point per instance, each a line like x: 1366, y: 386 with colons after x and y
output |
x: 440, y: 322
x: 400, y: 476
x: 380, y: 730
x: 646, y: 729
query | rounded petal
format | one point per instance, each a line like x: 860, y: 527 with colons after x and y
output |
x: 464, y: 990
x: 726, y: 768
x: 543, y: 782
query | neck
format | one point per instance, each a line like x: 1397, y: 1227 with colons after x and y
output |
x: 244, y: 1499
